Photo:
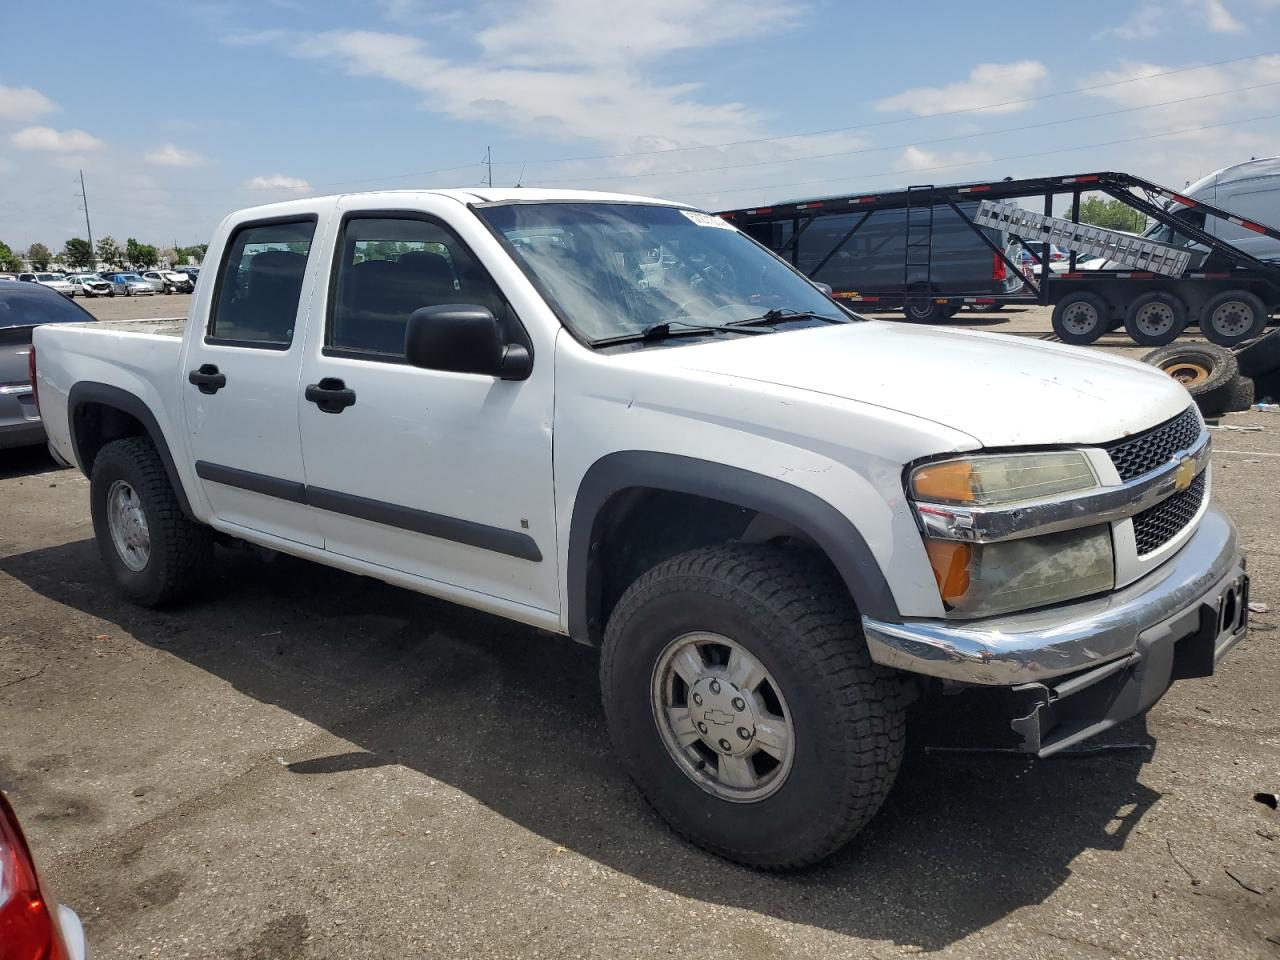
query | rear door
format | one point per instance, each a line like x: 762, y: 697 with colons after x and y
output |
x: 240, y: 378
x: 443, y: 476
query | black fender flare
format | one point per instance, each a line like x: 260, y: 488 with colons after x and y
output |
x: 89, y: 391
x: 831, y: 530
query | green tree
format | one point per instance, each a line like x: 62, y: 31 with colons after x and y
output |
x: 77, y: 253
x: 8, y: 259
x: 139, y: 254
x: 1111, y: 215
x: 109, y: 252
x: 39, y: 255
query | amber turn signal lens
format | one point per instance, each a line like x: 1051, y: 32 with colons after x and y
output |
x: 950, y: 561
x: 949, y: 482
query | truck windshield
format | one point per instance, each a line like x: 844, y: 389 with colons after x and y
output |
x: 615, y: 269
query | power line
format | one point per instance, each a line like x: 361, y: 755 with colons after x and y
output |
x: 897, y: 120
x: 986, y: 134
x: 971, y: 163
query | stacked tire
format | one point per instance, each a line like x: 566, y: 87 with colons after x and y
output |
x: 1210, y: 373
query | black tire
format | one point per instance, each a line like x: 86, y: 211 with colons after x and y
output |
x: 1260, y: 357
x: 847, y: 714
x: 1239, y: 395
x: 1155, y: 319
x: 1205, y: 369
x: 180, y: 549
x: 926, y: 311
x: 1081, y: 318
x: 111, y: 293
x: 1241, y: 316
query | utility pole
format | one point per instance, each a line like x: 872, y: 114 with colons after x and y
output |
x: 88, y: 229
x: 488, y: 162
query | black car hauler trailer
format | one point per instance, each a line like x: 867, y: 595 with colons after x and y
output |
x: 1228, y: 292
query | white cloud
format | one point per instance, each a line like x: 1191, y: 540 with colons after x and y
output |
x: 917, y: 159
x: 168, y: 155
x: 987, y: 83
x: 1194, y: 87
x: 1151, y: 18
x: 23, y: 103
x: 56, y: 141
x: 278, y: 181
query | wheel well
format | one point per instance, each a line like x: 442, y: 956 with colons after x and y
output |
x: 639, y: 527
x: 94, y: 425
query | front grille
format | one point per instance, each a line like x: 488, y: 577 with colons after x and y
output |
x: 1156, y: 526
x: 1142, y: 453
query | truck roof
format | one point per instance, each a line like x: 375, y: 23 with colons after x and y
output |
x: 1247, y: 170
x: 468, y: 195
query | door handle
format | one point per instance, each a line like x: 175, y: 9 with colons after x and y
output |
x: 331, y: 395
x: 207, y: 378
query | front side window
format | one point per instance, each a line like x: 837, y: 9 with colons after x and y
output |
x: 617, y: 269
x: 388, y: 267
x: 260, y: 285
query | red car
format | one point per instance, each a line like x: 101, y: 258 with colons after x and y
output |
x: 32, y: 925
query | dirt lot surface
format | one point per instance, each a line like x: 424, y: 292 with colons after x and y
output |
x: 308, y: 764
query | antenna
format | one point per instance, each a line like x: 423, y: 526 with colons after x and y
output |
x: 88, y: 229
x: 488, y: 162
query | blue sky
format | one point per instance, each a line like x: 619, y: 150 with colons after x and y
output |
x: 179, y: 113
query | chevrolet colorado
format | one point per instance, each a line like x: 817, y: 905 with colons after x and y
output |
x: 624, y: 421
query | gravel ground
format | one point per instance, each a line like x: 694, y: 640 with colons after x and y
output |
x: 307, y: 764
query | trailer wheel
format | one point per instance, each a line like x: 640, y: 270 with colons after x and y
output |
x: 1081, y: 318
x: 1155, y: 318
x: 927, y: 311
x: 1233, y: 317
x: 1206, y: 370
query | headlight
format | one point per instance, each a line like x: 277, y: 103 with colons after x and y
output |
x: 1008, y: 478
x: 978, y: 577
x: 983, y: 579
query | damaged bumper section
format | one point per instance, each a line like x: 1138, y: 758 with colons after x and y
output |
x: 1081, y: 668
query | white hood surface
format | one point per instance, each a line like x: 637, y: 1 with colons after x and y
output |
x: 1004, y: 391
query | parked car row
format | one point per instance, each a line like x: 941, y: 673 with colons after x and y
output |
x: 182, y: 280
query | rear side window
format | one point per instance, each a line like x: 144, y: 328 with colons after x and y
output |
x: 387, y: 268
x: 256, y: 302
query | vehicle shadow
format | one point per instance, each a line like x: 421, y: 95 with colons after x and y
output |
x: 25, y: 462
x: 512, y: 717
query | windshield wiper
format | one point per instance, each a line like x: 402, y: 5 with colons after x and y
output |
x: 781, y: 314
x: 663, y: 331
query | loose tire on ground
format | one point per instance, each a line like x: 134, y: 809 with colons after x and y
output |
x: 1233, y: 317
x: 845, y: 715
x: 1239, y: 395
x: 1155, y: 318
x: 1081, y: 318
x: 129, y: 479
x: 1261, y: 357
x: 1206, y: 370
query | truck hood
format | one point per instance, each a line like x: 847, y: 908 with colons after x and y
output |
x: 1001, y: 390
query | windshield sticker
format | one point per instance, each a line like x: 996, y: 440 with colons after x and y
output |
x: 707, y: 220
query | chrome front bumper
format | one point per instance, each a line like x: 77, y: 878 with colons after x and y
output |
x: 1044, y: 644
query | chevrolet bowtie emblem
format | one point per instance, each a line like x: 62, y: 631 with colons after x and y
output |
x: 1185, y: 473
x: 718, y: 717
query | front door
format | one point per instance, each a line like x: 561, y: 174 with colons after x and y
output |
x: 444, y: 476
x: 240, y: 381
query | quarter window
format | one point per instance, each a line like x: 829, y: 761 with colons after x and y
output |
x: 256, y: 303
x: 389, y: 267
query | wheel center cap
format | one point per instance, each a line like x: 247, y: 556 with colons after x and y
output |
x: 723, y: 715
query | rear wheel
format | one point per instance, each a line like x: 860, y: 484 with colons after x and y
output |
x: 155, y: 554
x: 1233, y: 317
x: 1081, y: 318
x: 1155, y: 319
x: 926, y: 311
x: 741, y: 699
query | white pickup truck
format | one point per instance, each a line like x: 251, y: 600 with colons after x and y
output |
x: 623, y: 421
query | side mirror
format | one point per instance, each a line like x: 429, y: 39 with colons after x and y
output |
x: 824, y: 287
x: 463, y: 338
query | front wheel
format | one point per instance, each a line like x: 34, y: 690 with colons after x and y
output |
x: 742, y: 700
x: 155, y: 554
